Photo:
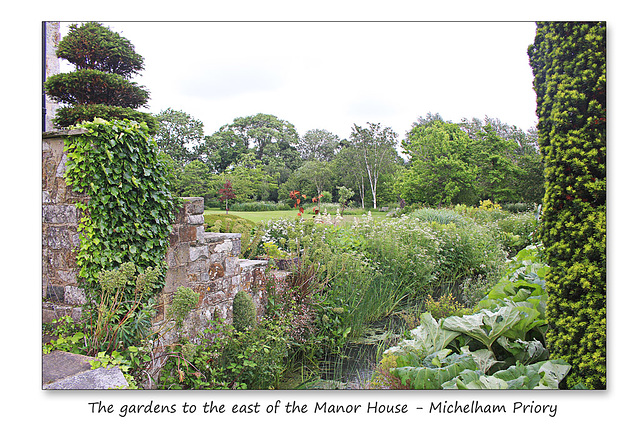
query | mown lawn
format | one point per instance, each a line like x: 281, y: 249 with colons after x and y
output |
x: 268, y: 215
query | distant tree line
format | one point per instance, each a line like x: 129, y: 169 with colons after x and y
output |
x: 438, y: 163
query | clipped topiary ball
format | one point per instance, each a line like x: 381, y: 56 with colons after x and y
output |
x: 244, y: 312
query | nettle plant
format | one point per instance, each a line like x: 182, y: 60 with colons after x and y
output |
x: 129, y: 211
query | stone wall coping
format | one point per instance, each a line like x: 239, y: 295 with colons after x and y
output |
x: 63, y: 133
x: 211, y: 237
x: 246, y: 263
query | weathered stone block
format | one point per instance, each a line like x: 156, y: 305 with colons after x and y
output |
x: 174, y: 278
x: 195, y: 219
x: 55, y: 293
x: 194, y: 205
x: 200, y: 234
x: 170, y: 257
x: 62, y: 167
x: 216, y: 270
x: 198, y: 266
x: 59, y: 237
x: 74, y: 295
x: 182, y: 253
x: 231, y: 266
x: 225, y: 246
x: 188, y: 233
x: 198, y: 252
x: 236, y: 247
x: 174, y: 235
x: 59, y: 214
x: 67, y: 276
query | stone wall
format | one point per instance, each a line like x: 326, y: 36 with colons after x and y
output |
x: 59, y: 232
x: 208, y: 263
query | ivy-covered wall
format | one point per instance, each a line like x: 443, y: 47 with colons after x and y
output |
x: 568, y: 60
x: 205, y: 262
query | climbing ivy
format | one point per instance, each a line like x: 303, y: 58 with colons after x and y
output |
x: 129, y: 210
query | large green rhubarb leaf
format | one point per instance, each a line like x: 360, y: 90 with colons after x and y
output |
x: 485, y: 326
x: 428, y: 338
x: 432, y: 378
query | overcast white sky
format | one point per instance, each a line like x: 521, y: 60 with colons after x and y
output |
x: 330, y: 75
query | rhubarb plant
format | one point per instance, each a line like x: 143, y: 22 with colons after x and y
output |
x: 499, y: 346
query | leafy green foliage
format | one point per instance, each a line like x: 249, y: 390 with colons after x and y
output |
x: 128, y: 211
x: 440, y: 172
x: 67, y: 336
x: 179, y: 135
x: 184, y: 300
x: 119, y: 315
x: 69, y: 116
x: 568, y: 60
x: 228, y: 359
x: 445, y: 306
x: 442, y: 216
x: 496, y: 347
x: 467, y: 162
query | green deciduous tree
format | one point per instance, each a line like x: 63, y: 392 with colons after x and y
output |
x: 318, y: 144
x: 222, y: 149
x: 195, y: 181
x: 179, y: 135
x: 439, y: 170
x: 376, y: 147
x: 269, y: 136
x: 249, y: 179
x: 568, y: 60
x: 520, y: 178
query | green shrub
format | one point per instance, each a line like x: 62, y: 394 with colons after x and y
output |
x: 259, y: 207
x: 244, y: 312
x: 568, y: 60
x: 469, y: 258
x: 226, y: 223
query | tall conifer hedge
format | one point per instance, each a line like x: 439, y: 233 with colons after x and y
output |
x: 568, y: 60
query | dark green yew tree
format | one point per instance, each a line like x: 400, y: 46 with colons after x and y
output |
x: 100, y: 86
x: 568, y: 60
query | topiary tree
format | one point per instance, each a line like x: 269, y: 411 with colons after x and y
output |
x: 244, y: 312
x: 568, y: 60
x: 99, y: 87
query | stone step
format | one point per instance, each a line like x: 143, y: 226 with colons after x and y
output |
x: 69, y: 371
